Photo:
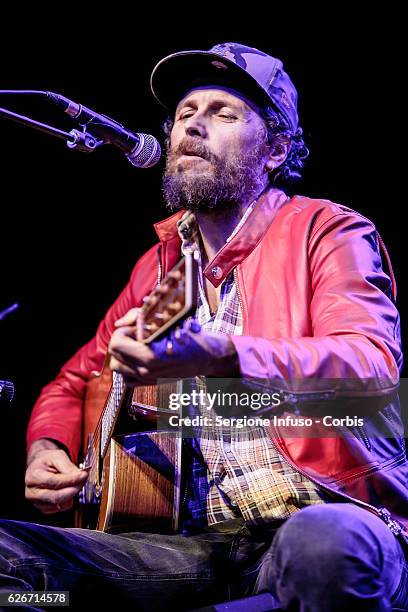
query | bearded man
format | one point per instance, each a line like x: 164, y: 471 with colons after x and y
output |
x: 289, y: 288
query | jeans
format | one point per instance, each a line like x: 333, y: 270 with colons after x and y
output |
x: 335, y: 556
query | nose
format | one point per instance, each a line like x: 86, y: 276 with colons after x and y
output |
x: 195, y: 126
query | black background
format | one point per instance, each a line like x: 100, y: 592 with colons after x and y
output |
x: 73, y: 225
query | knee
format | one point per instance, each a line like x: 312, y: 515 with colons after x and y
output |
x: 325, y: 540
x: 328, y: 556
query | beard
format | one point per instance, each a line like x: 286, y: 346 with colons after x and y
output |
x: 223, y: 183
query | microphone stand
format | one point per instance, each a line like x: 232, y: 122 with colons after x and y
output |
x: 6, y: 386
x: 4, y: 313
x: 82, y: 141
x: 75, y: 139
x: 142, y: 150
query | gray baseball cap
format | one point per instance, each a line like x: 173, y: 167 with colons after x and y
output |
x: 258, y: 76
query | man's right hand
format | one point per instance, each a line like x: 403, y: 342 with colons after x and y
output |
x: 52, y: 480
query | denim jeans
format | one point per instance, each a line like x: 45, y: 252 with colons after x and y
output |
x: 327, y: 557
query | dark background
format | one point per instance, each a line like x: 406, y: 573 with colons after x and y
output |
x: 73, y: 225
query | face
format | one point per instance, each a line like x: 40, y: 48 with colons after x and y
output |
x: 217, y: 151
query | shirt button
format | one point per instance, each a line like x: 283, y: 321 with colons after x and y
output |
x: 234, y: 503
x: 216, y: 272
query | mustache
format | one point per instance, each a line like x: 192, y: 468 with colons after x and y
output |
x: 192, y: 146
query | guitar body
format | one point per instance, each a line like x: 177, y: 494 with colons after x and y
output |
x: 142, y: 471
x: 135, y: 469
x: 136, y: 486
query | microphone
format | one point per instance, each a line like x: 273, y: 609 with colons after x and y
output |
x: 142, y: 150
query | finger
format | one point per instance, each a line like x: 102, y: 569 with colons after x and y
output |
x: 137, y: 372
x: 52, y: 508
x: 120, y: 359
x: 176, y: 274
x: 128, y: 350
x: 42, y: 478
x: 132, y: 352
x: 45, y: 496
x: 60, y: 461
x: 128, y: 319
x: 46, y: 509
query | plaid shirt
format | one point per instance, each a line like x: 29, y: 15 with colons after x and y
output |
x: 236, y: 472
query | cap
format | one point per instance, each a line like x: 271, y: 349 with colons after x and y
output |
x: 258, y: 76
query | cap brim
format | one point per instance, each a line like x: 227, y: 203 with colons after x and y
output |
x: 174, y: 75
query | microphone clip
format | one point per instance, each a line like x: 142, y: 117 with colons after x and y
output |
x: 83, y: 141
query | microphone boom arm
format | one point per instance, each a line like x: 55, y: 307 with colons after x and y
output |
x: 142, y: 150
x: 83, y: 141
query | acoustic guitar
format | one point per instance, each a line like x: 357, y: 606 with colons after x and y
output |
x: 134, y: 468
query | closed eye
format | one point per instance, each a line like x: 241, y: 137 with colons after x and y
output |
x: 186, y: 115
x: 218, y: 113
x: 226, y: 116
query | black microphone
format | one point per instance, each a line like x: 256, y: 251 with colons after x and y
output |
x: 142, y: 150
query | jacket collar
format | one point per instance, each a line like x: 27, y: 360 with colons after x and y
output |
x: 241, y: 244
x: 167, y: 228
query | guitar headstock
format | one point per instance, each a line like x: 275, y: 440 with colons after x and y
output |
x: 169, y: 303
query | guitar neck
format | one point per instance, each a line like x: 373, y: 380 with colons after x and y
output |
x: 119, y: 395
x: 166, y: 306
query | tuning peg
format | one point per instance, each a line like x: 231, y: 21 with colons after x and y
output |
x: 162, y: 316
x: 164, y: 288
x: 150, y: 326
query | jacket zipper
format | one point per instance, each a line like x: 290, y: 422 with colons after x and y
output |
x: 238, y: 291
x: 383, y: 513
x: 394, y: 526
x: 159, y: 270
x: 364, y: 436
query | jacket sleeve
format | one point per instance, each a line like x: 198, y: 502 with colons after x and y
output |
x: 355, y: 339
x: 57, y: 413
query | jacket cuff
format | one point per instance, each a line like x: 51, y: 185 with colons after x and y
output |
x: 71, y: 442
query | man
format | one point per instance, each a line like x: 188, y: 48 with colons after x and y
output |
x: 290, y: 289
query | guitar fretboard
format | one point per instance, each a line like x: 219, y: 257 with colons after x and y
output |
x: 111, y: 411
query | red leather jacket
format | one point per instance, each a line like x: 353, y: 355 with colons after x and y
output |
x: 316, y: 305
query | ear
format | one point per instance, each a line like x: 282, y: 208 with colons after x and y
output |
x: 278, y: 153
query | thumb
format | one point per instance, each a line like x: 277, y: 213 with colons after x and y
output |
x: 64, y: 465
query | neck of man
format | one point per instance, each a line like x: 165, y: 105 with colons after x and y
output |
x: 216, y: 225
